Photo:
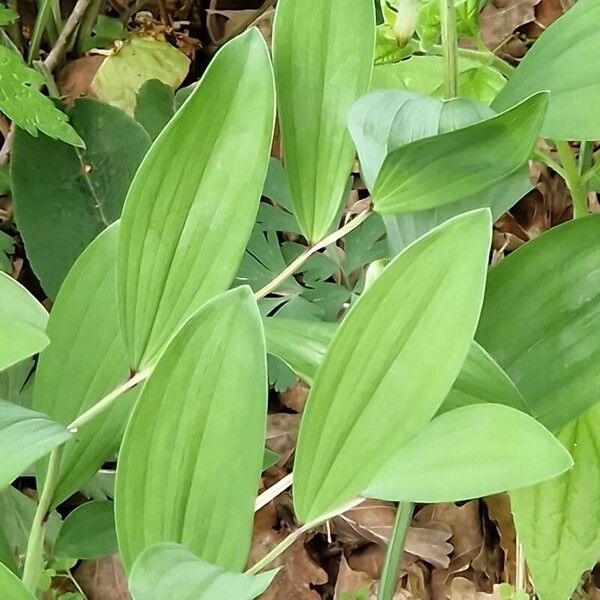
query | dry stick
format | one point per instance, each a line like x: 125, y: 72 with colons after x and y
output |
x: 274, y: 491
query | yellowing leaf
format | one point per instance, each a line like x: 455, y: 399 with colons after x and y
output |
x: 138, y: 60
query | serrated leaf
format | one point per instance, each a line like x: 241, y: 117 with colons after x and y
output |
x: 208, y: 444
x: 438, y: 170
x: 540, y: 317
x: 432, y: 291
x: 559, y: 62
x: 22, y: 323
x: 558, y: 521
x: 21, y: 101
x: 25, y: 436
x: 322, y: 65
x: 161, y: 568
x: 512, y: 450
x: 136, y: 61
x: 88, y: 532
x: 59, y: 216
x: 11, y: 585
x: 85, y: 361
x: 192, y: 204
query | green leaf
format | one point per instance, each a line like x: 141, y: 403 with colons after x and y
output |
x: 22, y: 323
x: 7, y: 16
x: 59, y: 216
x: 558, y: 521
x: 25, y: 436
x: 470, y: 452
x: 7, y: 248
x: 540, y: 316
x: 12, y: 587
x: 7, y: 557
x: 382, y: 373
x: 162, y: 568
x: 439, y: 170
x: 21, y: 101
x: 88, y: 532
x: 322, y: 63
x: 107, y: 30
x: 136, y: 61
x: 560, y: 62
x: 208, y: 444
x: 192, y: 204
x: 155, y: 106
x: 425, y: 74
x: 85, y: 361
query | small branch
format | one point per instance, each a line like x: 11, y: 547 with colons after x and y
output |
x: 273, y: 492
x: 300, y: 260
x: 547, y: 160
x: 393, y: 556
x: 573, y: 179
x: 450, y: 47
x: 60, y: 48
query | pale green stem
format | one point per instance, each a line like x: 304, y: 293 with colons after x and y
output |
x: 484, y: 57
x: 35, y: 545
x: 298, y: 262
x: 450, y: 47
x: 573, y: 179
x: 592, y: 172
x: 521, y: 569
x: 546, y: 159
x: 586, y: 156
x: 395, y: 550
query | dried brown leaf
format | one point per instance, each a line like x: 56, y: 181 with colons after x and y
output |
x: 499, y: 20
x: 282, y: 433
x: 295, y: 398
x: 75, y: 79
x: 499, y: 512
x: 353, y: 582
x: 102, y: 579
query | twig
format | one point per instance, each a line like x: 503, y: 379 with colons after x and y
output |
x: 60, y: 48
x: 7, y: 145
x: 273, y: 492
x: 246, y: 23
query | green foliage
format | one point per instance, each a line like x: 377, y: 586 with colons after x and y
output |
x: 106, y: 31
x: 445, y: 273
x: 208, y: 445
x: 88, y: 532
x: 21, y: 101
x: 22, y: 323
x: 155, y: 106
x: 561, y: 62
x: 59, y: 216
x: 322, y: 64
x: 179, y: 247
x: 11, y: 585
x: 162, y: 567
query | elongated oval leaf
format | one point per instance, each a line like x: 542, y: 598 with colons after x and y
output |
x: 58, y: 216
x: 200, y: 425
x: 446, y: 168
x: 85, y: 361
x: 558, y: 521
x: 471, y: 452
x: 541, y: 317
x: 192, y: 204
x: 88, y: 532
x: 22, y: 323
x: 25, y: 436
x: 323, y: 57
x: 12, y: 587
x: 391, y: 363
x: 560, y: 62
x: 162, y: 568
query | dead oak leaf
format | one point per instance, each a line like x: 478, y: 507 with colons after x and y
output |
x: 282, y: 433
x: 499, y: 20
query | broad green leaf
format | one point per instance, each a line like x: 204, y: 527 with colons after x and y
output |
x: 85, y: 361
x: 106, y: 31
x: 540, y: 319
x: 471, y: 452
x: 561, y: 62
x: 88, y: 532
x: 162, y: 568
x: 21, y: 101
x: 323, y: 63
x: 7, y: 15
x: 7, y: 558
x: 392, y: 362
x: 134, y: 62
x: 385, y: 120
x: 16, y: 382
x: 12, y: 587
x: 192, y: 204
x: 59, y: 216
x: 200, y: 425
x: 25, y: 436
x: 559, y: 521
x: 446, y: 168
x: 22, y: 323
x: 425, y: 74
x: 154, y: 107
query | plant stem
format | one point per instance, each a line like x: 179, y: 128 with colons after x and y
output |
x: 35, y: 545
x: 544, y: 158
x: 521, y: 570
x: 485, y: 57
x: 393, y: 556
x: 450, y: 47
x: 573, y: 179
x: 586, y: 156
x: 300, y: 260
